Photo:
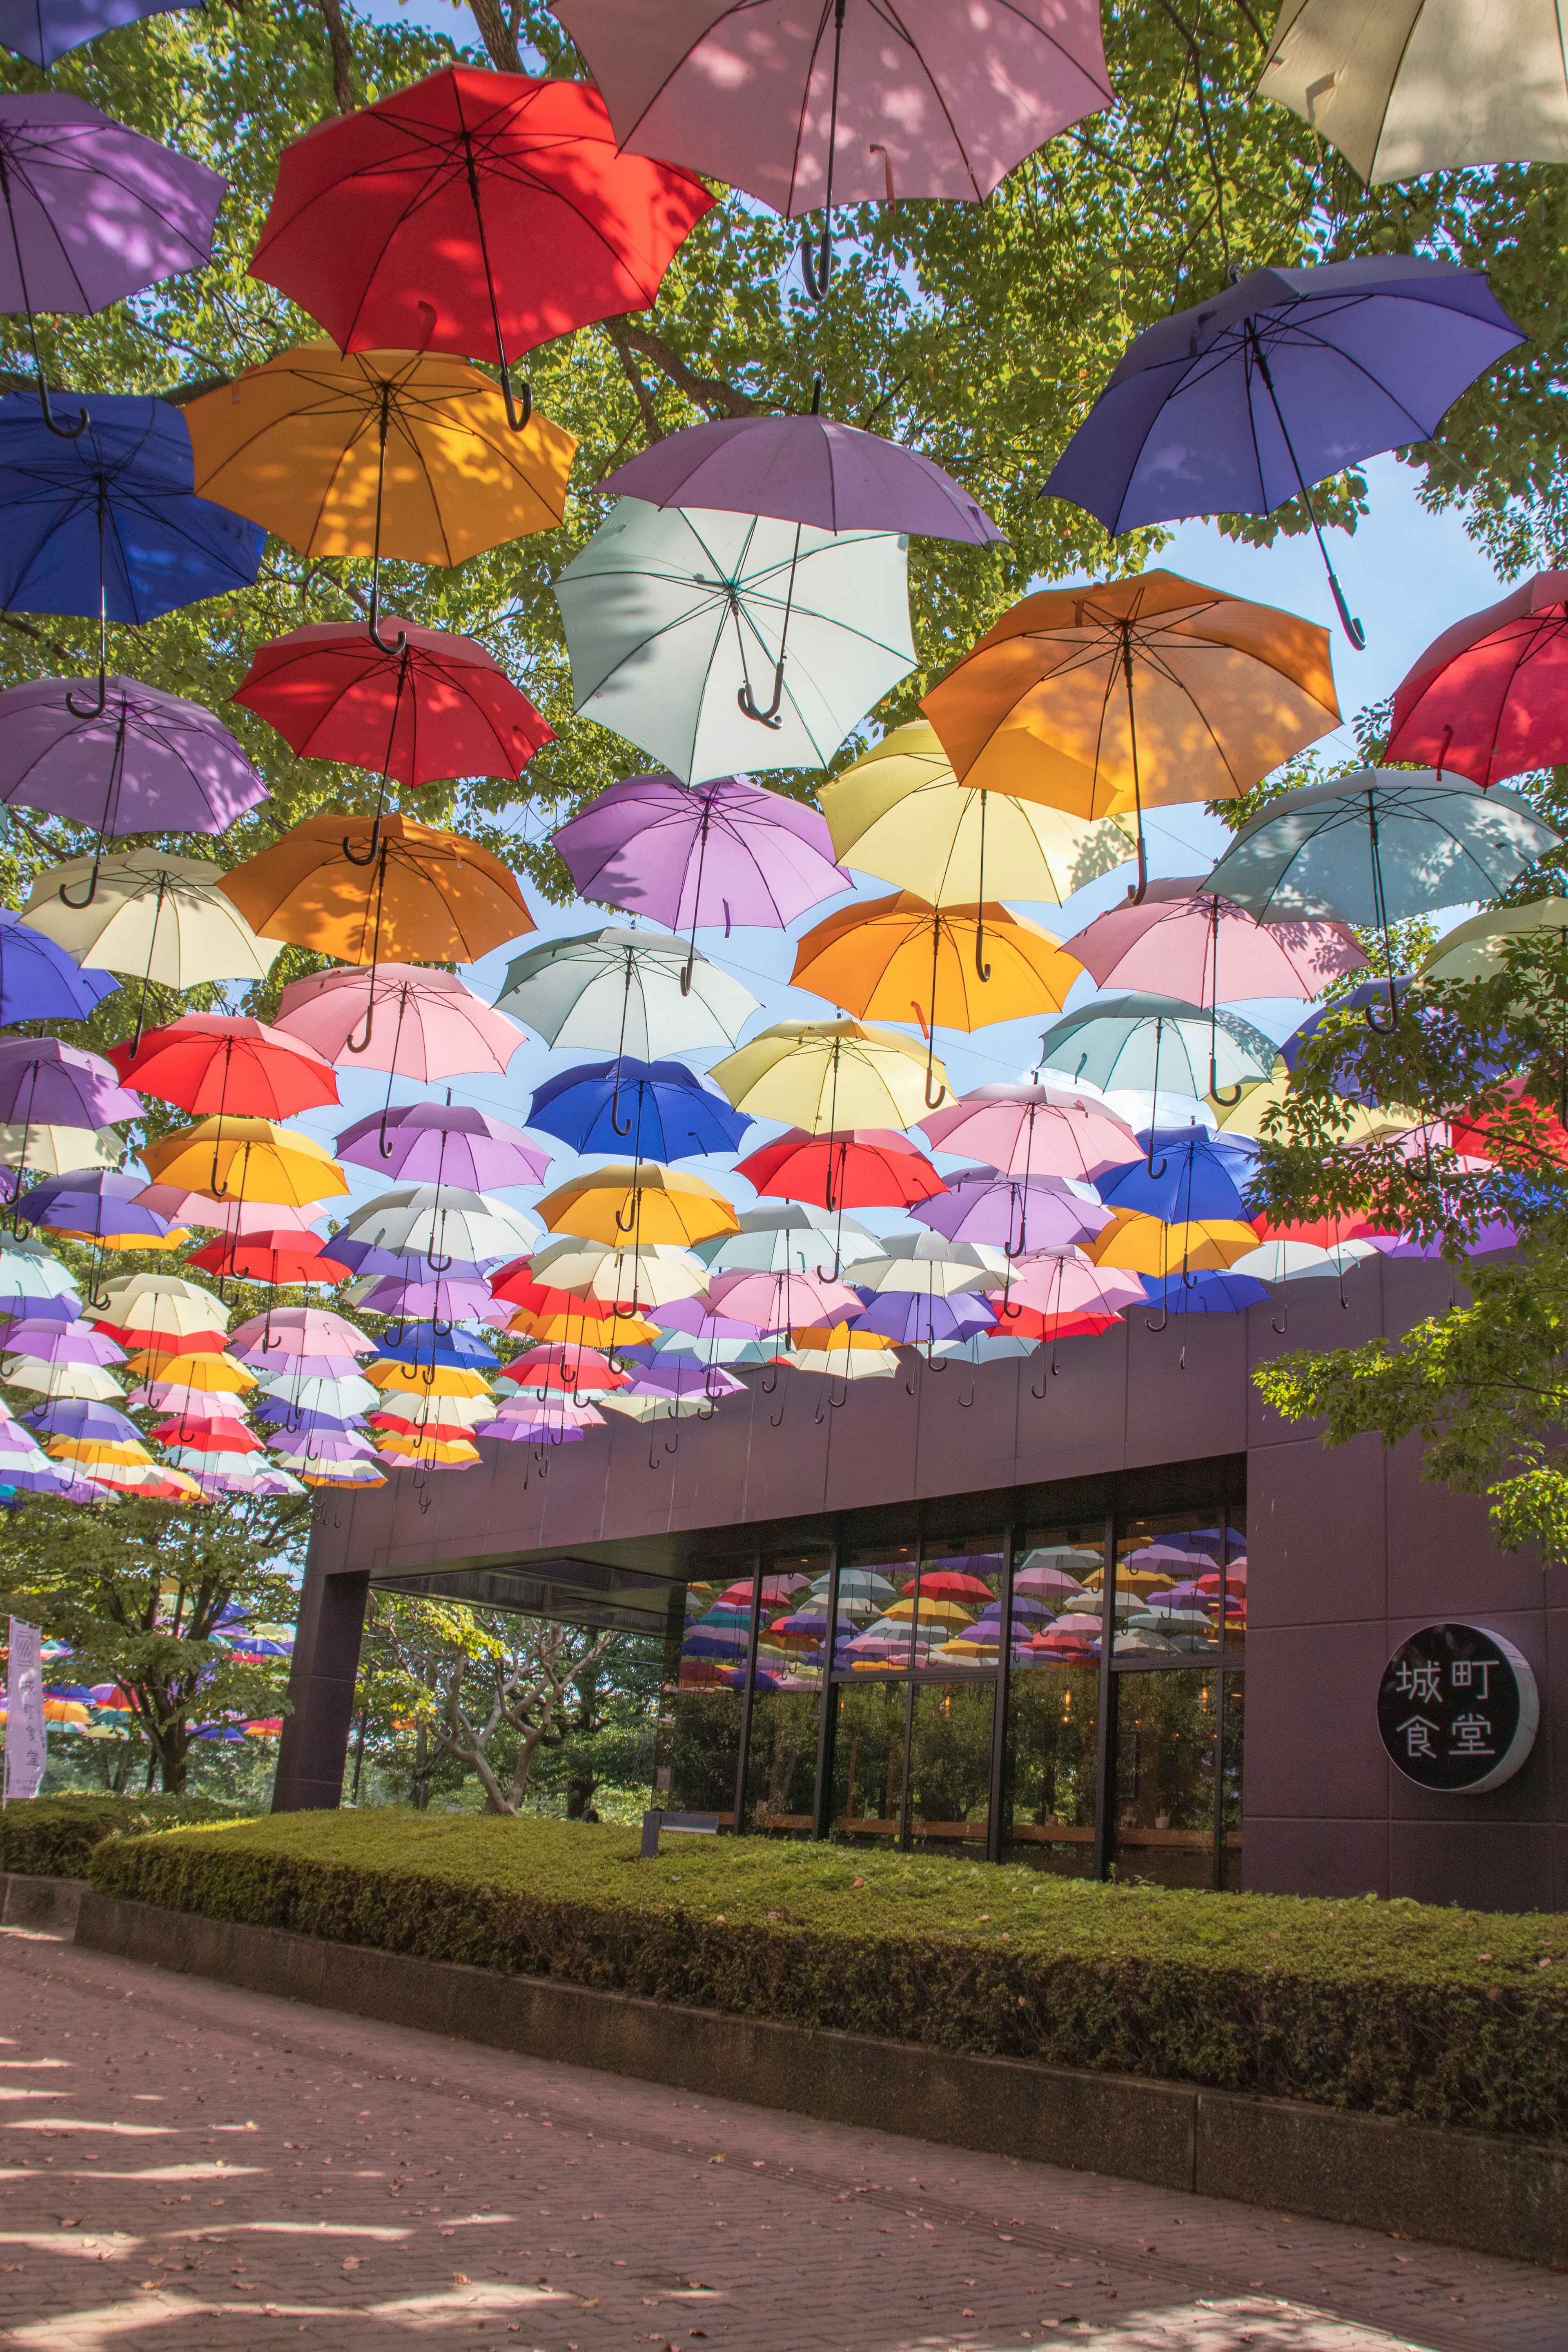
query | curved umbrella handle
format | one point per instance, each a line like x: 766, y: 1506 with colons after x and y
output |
x: 769, y: 716
x: 1040, y: 1393
x: 517, y: 424
x: 64, y: 432
x: 77, y: 905
x: 369, y: 858
x: 95, y: 710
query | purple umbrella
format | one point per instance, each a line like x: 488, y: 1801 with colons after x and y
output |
x: 443, y: 1143
x: 1043, y: 1212
x: 727, y: 852
x: 369, y: 1258
x: 92, y: 1200
x: 39, y: 981
x: 444, y: 1298
x: 96, y: 212
x: 81, y: 1417
x: 805, y: 470
x: 60, y: 1343
x: 908, y: 1318
x: 1281, y: 380
x: 683, y: 1375
x: 46, y: 1084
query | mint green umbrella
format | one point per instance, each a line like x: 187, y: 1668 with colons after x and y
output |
x: 1144, y: 1042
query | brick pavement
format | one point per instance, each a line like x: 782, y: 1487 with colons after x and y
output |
x: 185, y: 2167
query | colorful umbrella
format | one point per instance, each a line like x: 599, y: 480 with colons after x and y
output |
x: 1278, y: 381
x: 825, y: 1076
x: 245, y: 1158
x: 770, y: 1239
x: 1028, y: 1130
x: 442, y: 1223
x: 43, y: 1081
x: 39, y: 982
x: 1130, y: 693
x: 1487, y: 697
x: 901, y: 813
x: 1141, y: 1243
x: 360, y: 889
x: 55, y: 1151
x: 44, y: 30
x: 1194, y: 1175
x: 450, y: 1143
x: 931, y: 1265
x: 271, y: 1256
x: 1477, y: 949
x: 473, y: 212
x: 619, y: 989
x: 647, y: 1277
x: 772, y: 639
x: 640, y: 1200
x: 778, y: 1302
x: 417, y: 1024
x: 1056, y: 1284
x: 1125, y: 1040
x: 661, y: 1108
x: 979, y: 1205
x: 226, y: 1061
x: 859, y: 1167
x: 916, y: 1319
x: 1182, y: 937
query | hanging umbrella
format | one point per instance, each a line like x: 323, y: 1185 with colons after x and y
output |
x: 822, y: 1075
x: 915, y: 1318
x: 62, y: 1343
x: 1056, y: 1283
x: 51, y: 1379
x: 1141, y: 1243
x: 471, y: 211
x: 1380, y: 845
x: 772, y: 1240
x: 901, y: 813
x: 166, y: 1301
x: 302, y: 1328
x: 271, y: 1256
x: 1486, y: 698
x: 45, y: 31
x: 931, y: 1265
x: 417, y: 1024
x: 1126, y: 1040
x: 1186, y: 941
x: 620, y: 990
x: 857, y: 1168
x: 1363, y: 1122
x: 893, y: 106
x: 809, y: 469
x: 226, y: 1061
x: 725, y: 852
x: 953, y: 967
x: 235, y: 1219
x: 351, y: 887
x: 1029, y: 1131
x: 641, y: 1200
x: 39, y: 982
x: 647, y: 1278
x: 722, y: 642
x: 436, y: 1142
x: 777, y: 1302
x: 1194, y: 1175
x: 44, y: 1082
x: 442, y: 1221
x: 842, y: 1352
x: 1279, y: 381
x: 97, y: 1202
x: 55, y: 1151
x: 1184, y: 1292
x: 1411, y: 88
x: 1477, y: 949
x: 979, y: 1205
x: 1128, y: 694
x: 662, y: 1108
x: 95, y: 211
x: 244, y: 1159
x: 1291, y: 1260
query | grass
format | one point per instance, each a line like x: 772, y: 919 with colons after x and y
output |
x: 51, y: 1837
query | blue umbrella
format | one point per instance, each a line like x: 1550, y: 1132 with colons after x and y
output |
x: 1200, y: 1176
x: 106, y: 526
x: 1202, y: 1294
x: 44, y: 30
x: 39, y: 982
x: 662, y: 1108
x: 1285, y: 378
x: 422, y: 1346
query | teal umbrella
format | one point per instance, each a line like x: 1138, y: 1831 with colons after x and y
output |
x: 1378, y: 845
x: 1146, y: 1042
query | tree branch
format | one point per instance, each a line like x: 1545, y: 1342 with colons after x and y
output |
x: 345, y: 96
x: 634, y: 376
x: 708, y: 391
x: 499, y: 34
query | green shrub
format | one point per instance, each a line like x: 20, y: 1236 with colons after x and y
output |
x: 1448, y: 2016
x: 51, y: 1837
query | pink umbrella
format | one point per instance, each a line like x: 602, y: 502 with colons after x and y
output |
x: 399, y: 1017
x: 1487, y: 698
x: 443, y: 1142
x: 304, y: 1330
x: 782, y: 1302
x: 1063, y: 1281
x: 231, y: 1218
x: 1183, y: 940
x: 1030, y: 1131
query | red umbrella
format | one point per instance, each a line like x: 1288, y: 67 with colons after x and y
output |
x: 1029, y: 1323
x: 226, y: 1061
x: 439, y: 706
x: 849, y: 1168
x: 557, y: 1366
x: 1473, y: 1137
x: 209, y: 1436
x: 950, y: 1584
x: 1488, y: 698
x: 273, y: 1258
x: 475, y: 212
x: 1316, y: 1233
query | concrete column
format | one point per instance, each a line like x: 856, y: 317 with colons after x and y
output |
x: 315, y: 1742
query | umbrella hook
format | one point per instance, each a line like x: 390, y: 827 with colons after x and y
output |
x: 621, y: 1047
x: 766, y: 1388
x: 769, y: 716
x: 776, y: 1420
x: 982, y: 970
x: 625, y: 1224
x: 1040, y: 1393
x: 368, y: 860
x: 966, y: 1401
x: 653, y: 1460
x: 1164, y: 1318
x: 1380, y: 902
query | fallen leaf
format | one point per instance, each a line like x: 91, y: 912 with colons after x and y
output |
x: 459, y: 2278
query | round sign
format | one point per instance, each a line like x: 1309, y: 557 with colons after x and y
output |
x: 1457, y: 1710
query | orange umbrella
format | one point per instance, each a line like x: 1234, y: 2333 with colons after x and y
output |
x: 1130, y: 692
x: 958, y: 967
x: 1145, y: 1244
x: 388, y: 889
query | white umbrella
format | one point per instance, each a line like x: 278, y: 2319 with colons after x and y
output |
x: 621, y: 992
x: 160, y: 918
x: 57, y: 1151
x: 341, y: 1398
x: 1282, y: 1261
x: 791, y: 1238
x: 655, y: 1276
x: 722, y: 642
x: 928, y: 1262
x: 443, y: 1221
x: 61, y: 1379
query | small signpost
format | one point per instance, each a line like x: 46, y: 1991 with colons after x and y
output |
x: 689, y: 1824
x: 1457, y: 1710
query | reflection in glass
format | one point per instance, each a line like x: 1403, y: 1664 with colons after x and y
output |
x: 792, y: 1632
x: 868, y: 1761
x: 1053, y: 1720
x: 1230, y: 1874
x: 950, y: 1763
x: 1177, y: 1579
x: 781, y: 1761
x: 875, y: 1617
x: 1164, y: 1778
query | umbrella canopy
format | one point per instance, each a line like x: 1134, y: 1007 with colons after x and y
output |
x: 838, y: 1352
x: 429, y: 707
x: 443, y: 1143
x: 659, y: 1107
x: 641, y: 1201
x: 100, y: 1201
x: 302, y: 1328
x: 1380, y: 845
x: 727, y: 852
x: 1187, y: 1173
x: 1184, y: 1292
x: 779, y: 1302
x: 39, y: 982
x: 921, y: 1320
x: 1410, y: 89
x: 1131, y: 693
x: 822, y: 1075
x: 230, y: 1217
x: 60, y: 1085
x: 891, y: 105
x: 400, y: 1018
x: 1290, y: 1261
x: 402, y: 453
x: 161, y: 918
x: 144, y: 762
x: 1056, y: 1284
x: 1487, y: 697
x: 249, y: 1159
x: 979, y: 1205
x: 901, y: 813
x: 44, y: 30
x: 61, y: 1343
x: 625, y: 991
x: 647, y: 1277
x: 953, y: 967
x: 360, y: 890
x: 497, y: 202
x: 1030, y: 1131
x: 271, y: 1256
x: 1282, y: 379
x: 226, y: 1061
x: 52, y: 1380
x: 49, y: 1150
x: 106, y: 524
x: 772, y: 1239
x: 932, y: 1265
x: 804, y: 470
x: 857, y: 1168
x: 1141, y: 1243
x: 442, y: 1221
x: 1131, y: 1040
x: 1186, y: 941
x: 723, y: 641
x: 1477, y: 949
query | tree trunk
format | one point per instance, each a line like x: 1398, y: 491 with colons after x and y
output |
x: 421, y: 1789
x: 345, y: 97
x: 498, y: 35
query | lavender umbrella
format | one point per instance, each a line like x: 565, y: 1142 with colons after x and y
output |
x: 908, y: 1318
x: 60, y: 1343
x: 1284, y: 378
x: 368, y: 1258
x: 445, y: 1298
x: 728, y: 852
x: 46, y: 1084
x: 94, y: 1200
x: 1043, y: 1212
x: 805, y: 470
x: 435, y: 1143
x: 95, y: 211
x: 39, y: 982
x: 44, y: 30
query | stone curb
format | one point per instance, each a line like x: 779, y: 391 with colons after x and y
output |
x: 48, y: 1906
x: 1486, y: 2192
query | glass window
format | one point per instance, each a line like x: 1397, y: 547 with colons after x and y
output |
x: 700, y: 1721
x: 1169, y: 1572
x: 868, y: 1761
x: 950, y: 1763
x: 781, y: 1761
x: 1229, y: 1872
x: 1052, y: 1721
x: 1056, y: 1596
x: 875, y: 1612
x: 792, y: 1637
x: 957, y: 1612
x: 1165, y: 1778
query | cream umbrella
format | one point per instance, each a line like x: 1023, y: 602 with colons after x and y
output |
x: 55, y: 1150
x: 824, y: 1075
x: 656, y: 1276
x: 932, y: 1265
x: 1474, y: 949
x: 1363, y: 1122
x: 61, y: 1380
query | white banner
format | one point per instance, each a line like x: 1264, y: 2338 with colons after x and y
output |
x: 24, y: 1737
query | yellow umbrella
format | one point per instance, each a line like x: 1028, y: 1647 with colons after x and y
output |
x: 439, y: 1453
x: 901, y: 815
x: 1125, y: 693
x: 842, y: 1352
x: 934, y: 1611
x: 405, y: 453
x: 1145, y: 1244
x: 952, y: 967
x: 641, y: 1201
x: 824, y: 1075
x: 111, y: 1451
x: 436, y: 1380
x: 176, y: 1238
x: 1364, y: 1122
x: 232, y: 1159
x: 209, y: 1375
x: 610, y: 1331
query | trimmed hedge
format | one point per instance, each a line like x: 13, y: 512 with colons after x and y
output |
x: 51, y: 1837
x: 1447, y: 2017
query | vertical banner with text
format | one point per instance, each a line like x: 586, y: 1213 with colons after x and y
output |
x: 24, y: 1738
